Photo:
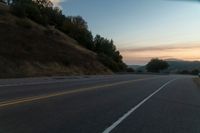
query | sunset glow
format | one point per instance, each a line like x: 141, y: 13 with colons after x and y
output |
x: 143, y: 55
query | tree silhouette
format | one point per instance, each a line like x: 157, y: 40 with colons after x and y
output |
x: 156, y: 65
x: 108, y: 54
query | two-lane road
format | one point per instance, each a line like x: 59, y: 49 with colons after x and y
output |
x: 118, y: 103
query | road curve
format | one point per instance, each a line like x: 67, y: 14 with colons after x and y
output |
x: 100, y: 104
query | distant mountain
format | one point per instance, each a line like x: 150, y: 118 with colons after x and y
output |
x: 173, y: 59
x: 175, y: 65
x: 179, y: 65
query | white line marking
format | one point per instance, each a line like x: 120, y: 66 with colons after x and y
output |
x: 114, y: 125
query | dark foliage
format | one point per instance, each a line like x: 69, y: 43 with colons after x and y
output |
x: 108, y: 54
x: 156, y: 65
x: 77, y: 28
x: 41, y: 11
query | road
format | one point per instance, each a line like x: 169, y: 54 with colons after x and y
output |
x: 100, y: 104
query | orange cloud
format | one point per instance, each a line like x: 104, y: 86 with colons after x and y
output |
x: 143, y: 55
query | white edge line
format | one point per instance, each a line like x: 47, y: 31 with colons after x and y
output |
x: 114, y: 125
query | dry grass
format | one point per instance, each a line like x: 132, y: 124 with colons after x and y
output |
x: 29, y: 49
x: 197, y: 81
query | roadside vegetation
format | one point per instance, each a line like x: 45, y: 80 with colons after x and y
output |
x: 44, y: 13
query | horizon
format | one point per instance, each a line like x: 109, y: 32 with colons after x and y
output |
x: 142, y: 29
x: 167, y: 59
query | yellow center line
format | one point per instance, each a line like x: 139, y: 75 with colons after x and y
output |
x: 35, y: 98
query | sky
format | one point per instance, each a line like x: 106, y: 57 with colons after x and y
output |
x: 143, y: 29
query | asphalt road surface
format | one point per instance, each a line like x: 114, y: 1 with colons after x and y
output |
x: 100, y: 104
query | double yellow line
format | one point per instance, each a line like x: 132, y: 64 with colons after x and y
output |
x: 42, y: 97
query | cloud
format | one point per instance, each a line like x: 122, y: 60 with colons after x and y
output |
x: 160, y: 48
x: 57, y: 2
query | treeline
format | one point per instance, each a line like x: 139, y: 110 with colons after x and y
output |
x: 44, y: 13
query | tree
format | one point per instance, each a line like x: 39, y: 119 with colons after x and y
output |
x: 40, y: 11
x: 44, y: 3
x: 108, y: 54
x: 156, y: 65
x: 55, y: 17
x: 77, y: 28
x: 105, y: 46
